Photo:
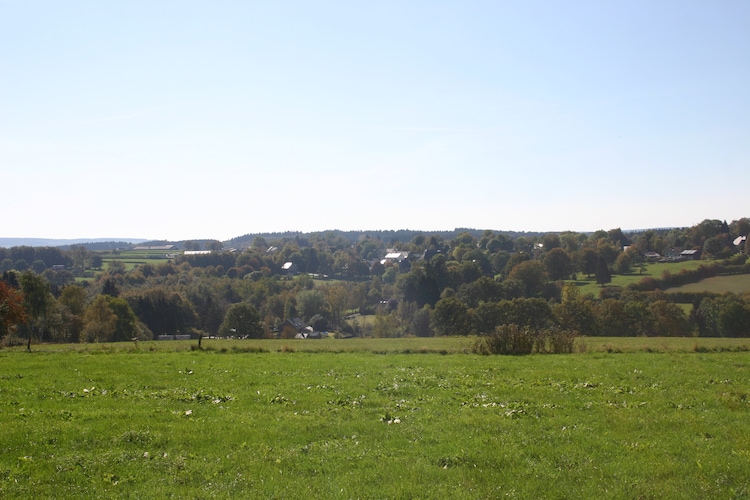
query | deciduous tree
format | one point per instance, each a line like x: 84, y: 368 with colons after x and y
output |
x: 12, y: 310
x: 37, y: 298
x: 669, y: 320
x: 421, y: 325
x: 451, y: 317
x: 586, y: 260
x: 558, y: 264
x: 126, y: 324
x: 530, y: 275
x: 100, y: 322
x: 310, y: 303
x: 242, y: 320
x: 603, y: 274
x: 73, y: 298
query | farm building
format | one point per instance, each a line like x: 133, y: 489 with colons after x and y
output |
x: 692, y: 254
x: 155, y: 247
x: 289, y: 268
x: 295, y: 324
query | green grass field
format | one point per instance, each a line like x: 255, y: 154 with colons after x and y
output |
x: 653, y: 269
x: 133, y: 258
x: 738, y: 284
x: 629, y: 418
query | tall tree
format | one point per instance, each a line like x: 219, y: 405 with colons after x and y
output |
x: 617, y: 238
x: 163, y: 311
x: 99, y: 320
x: 74, y: 299
x: 530, y: 275
x: 603, y: 274
x: 550, y: 241
x: 209, y: 307
x: 535, y: 313
x: 310, y: 303
x: 12, y: 311
x: 110, y: 288
x: 214, y: 245
x: 623, y: 263
x: 576, y: 314
x: 716, y: 246
x: 420, y: 323
x: 587, y: 259
x: 669, y: 319
x: 126, y: 324
x: 558, y: 264
x: 37, y: 298
x: 242, y: 320
x: 451, y: 317
x: 79, y: 253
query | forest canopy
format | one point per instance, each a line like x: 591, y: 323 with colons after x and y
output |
x: 376, y: 283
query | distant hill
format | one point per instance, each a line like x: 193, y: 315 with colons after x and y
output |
x: 105, y: 243
x: 400, y: 235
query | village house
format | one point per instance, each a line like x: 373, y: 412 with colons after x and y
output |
x: 289, y: 268
x: 293, y: 326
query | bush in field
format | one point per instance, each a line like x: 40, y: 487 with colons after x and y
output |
x: 518, y: 340
x: 555, y: 340
x: 506, y: 339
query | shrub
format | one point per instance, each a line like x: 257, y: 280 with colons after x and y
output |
x: 506, y: 339
x: 519, y: 340
x: 555, y: 340
x: 12, y: 340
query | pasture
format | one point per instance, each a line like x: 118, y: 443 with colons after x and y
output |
x: 738, y: 284
x: 588, y: 286
x: 385, y: 418
x: 133, y: 258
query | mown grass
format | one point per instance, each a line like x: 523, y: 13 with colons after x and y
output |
x: 131, y: 263
x: 410, y: 345
x: 133, y: 258
x: 653, y: 269
x: 223, y: 423
x: 738, y: 284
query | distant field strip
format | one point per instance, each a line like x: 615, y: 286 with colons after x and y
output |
x: 720, y: 284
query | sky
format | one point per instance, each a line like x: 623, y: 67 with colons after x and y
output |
x: 184, y: 119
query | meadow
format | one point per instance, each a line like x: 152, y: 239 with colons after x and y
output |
x: 588, y: 286
x: 133, y: 258
x: 381, y: 418
x: 738, y: 284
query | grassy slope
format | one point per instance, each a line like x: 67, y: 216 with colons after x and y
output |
x: 654, y: 270
x: 121, y: 422
x: 134, y: 258
x: 738, y: 284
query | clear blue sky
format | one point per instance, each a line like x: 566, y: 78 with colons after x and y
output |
x: 184, y: 119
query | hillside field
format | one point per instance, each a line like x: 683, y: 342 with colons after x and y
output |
x: 588, y: 286
x: 738, y: 284
x: 133, y: 258
x: 627, y: 418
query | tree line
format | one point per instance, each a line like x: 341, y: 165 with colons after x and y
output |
x: 473, y: 283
